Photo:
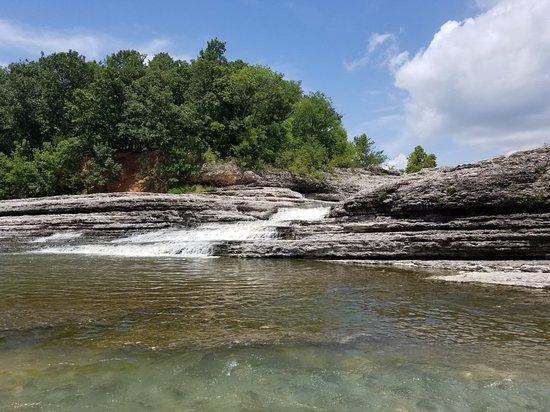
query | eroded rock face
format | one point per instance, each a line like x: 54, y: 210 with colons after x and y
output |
x: 495, y: 209
x: 516, y: 183
x: 114, y: 214
x: 499, y: 208
x: 224, y: 174
x: 330, y: 186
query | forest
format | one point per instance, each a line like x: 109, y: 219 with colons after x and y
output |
x: 65, y: 120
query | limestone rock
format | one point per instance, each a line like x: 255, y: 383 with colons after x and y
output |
x: 507, y: 184
x: 494, y: 209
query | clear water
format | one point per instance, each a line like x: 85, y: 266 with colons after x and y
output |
x: 100, y: 333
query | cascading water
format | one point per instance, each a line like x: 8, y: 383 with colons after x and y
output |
x: 196, y: 242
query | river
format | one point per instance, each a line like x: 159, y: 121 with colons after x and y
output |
x: 87, y: 331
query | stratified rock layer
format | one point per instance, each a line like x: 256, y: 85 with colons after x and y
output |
x: 494, y: 209
x: 114, y: 214
x: 517, y: 183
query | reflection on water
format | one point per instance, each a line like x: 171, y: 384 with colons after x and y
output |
x: 206, y: 334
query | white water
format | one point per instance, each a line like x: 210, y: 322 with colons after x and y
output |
x: 57, y: 237
x: 196, y: 242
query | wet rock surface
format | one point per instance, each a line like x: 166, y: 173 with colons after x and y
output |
x: 526, y: 273
x: 114, y: 214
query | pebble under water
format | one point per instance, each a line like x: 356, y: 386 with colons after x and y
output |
x: 206, y: 334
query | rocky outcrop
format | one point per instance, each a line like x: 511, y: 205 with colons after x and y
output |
x: 509, y: 184
x: 113, y: 214
x: 221, y: 174
x: 329, y: 186
x: 499, y: 208
x: 495, y: 209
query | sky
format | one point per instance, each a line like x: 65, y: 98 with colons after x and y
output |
x: 466, y: 79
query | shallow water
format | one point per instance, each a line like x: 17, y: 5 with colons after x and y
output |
x: 95, y: 332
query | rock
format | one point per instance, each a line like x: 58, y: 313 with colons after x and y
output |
x: 223, y: 174
x: 334, y: 186
x: 519, y: 182
x: 494, y: 209
x: 114, y: 214
x: 457, y: 239
x: 330, y: 186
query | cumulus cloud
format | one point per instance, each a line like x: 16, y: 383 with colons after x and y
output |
x: 484, y: 81
x: 399, y: 162
x: 27, y: 42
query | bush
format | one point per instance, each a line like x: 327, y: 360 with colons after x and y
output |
x: 100, y: 168
x: 51, y: 170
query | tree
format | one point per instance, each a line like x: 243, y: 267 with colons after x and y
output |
x: 419, y: 159
x: 317, y: 138
x: 260, y: 100
x: 366, y: 153
x: 64, y: 121
x: 214, y: 50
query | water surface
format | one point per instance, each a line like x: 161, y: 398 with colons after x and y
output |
x: 98, y: 332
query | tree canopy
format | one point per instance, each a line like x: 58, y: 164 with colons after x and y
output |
x: 367, y: 155
x: 64, y: 119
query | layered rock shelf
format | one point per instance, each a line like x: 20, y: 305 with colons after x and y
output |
x: 494, y: 209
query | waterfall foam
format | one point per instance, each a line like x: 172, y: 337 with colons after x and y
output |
x: 57, y: 237
x: 196, y: 242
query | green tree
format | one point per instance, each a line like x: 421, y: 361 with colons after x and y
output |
x: 419, y: 159
x: 214, y: 51
x: 65, y: 120
x: 260, y: 101
x: 316, y: 130
x: 367, y: 155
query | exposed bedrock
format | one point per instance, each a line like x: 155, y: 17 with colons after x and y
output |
x: 503, y: 185
x: 114, y: 214
x: 494, y: 209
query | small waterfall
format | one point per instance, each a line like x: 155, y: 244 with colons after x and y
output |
x: 57, y: 237
x: 195, y: 242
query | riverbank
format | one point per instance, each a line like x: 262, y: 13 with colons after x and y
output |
x: 526, y: 273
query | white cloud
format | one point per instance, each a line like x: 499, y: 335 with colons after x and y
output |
x: 399, y: 162
x: 486, y: 4
x: 355, y: 64
x: 395, y: 60
x: 27, y: 42
x: 484, y: 81
x: 375, y: 41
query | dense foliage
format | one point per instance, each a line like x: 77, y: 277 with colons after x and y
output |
x: 419, y: 159
x: 63, y: 120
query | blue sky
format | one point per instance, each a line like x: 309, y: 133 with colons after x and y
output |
x: 376, y: 59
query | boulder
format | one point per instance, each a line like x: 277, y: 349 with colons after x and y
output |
x: 223, y: 174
